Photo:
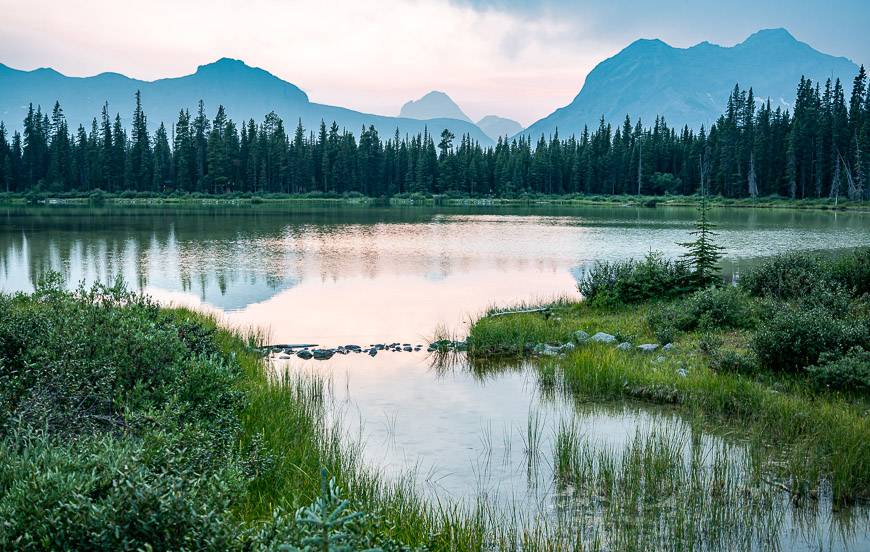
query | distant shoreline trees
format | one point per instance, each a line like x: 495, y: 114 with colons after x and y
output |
x: 820, y: 148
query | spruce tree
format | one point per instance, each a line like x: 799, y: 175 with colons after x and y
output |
x: 703, y: 252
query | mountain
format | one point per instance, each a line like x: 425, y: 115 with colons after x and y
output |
x: 433, y: 105
x: 498, y: 127
x: 246, y: 92
x: 690, y: 86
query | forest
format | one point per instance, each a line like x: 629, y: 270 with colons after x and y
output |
x: 817, y: 148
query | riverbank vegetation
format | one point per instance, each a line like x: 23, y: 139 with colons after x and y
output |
x: 126, y: 426
x: 781, y: 356
x: 821, y: 149
x: 99, y: 198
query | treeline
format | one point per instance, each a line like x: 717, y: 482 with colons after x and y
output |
x: 820, y: 148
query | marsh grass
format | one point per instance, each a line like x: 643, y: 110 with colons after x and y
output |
x: 667, y: 491
x: 813, y: 438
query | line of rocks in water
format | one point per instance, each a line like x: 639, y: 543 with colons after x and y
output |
x: 307, y: 351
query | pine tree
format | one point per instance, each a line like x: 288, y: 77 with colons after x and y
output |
x: 703, y: 252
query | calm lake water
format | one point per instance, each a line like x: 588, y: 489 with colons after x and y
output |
x: 363, y: 275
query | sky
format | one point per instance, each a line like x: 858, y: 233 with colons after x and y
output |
x: 504, y: 57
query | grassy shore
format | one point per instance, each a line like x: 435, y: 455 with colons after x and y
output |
x: 781, y: 358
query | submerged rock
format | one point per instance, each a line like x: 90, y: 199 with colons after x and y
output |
x: 602, y: 337
x: 648, y: 347
x: 624, y: 346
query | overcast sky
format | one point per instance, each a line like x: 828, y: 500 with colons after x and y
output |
x: 511, y: 58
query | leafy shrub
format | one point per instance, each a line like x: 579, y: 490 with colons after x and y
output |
x: 118, y: 425
x: 730, y: 360
x: 850, y: 372
x: 787, y: 276
x: 706, y: 309
x: 852, y: 271
x: 634, y: 281
x: 790, y: 339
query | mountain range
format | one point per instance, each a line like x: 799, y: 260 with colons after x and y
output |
x: 690, y: 86
x: 687, y: 86
x: 246, y: 92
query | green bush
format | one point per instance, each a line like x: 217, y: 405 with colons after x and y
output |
x: 852, y: 271
x: 631, y: 281
x: 850, y: 372
x: 706, y: 309
x: 787, y: 276
x: 790, y: 339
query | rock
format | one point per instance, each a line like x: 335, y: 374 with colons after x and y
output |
x: 373, y: 352
x: 304, y: 355
x: 602, y: 337
x: 460, y: 345
x: 648, y: 347
x: 545, y: 349
x: 669, y: 347
x: 581, y: 337
x: 660, y: 358
x: 568, y: 347
x: 353, y: 347
x: 624, y: 346
x: 283, y: 356
x: 323, y: 354
x: 682, y: 372
x: 407, y: 348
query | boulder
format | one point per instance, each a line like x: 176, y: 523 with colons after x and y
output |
x: 581, y: 337
x: 323, y: 354
x: 669, y: 347
x: 568, y: 347
x: 373, y: 351
x: 602, y: 337
x: 624, y: 346
x: 648, y: 347
x: 304, y: 355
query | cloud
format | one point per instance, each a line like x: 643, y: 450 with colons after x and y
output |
x: 503, y: 57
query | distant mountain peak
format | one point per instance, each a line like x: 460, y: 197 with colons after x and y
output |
x: 433, y: 105
x: 499, y: 127
x: 225, y: 64
x: 778, y: 34
x: 690, y: 86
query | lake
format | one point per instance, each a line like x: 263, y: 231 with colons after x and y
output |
x: 336, y: 275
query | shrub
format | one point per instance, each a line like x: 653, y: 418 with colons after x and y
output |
x: 715, y: 307
x: 852, y: 271
x: 790, y: 339
x: 787, y: 276
x: 849, y: 373
x: 707, y: 309
x: 635, y: 281
x: 730, y: 360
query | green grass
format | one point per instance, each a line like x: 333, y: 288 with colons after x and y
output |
x: 815, y: 435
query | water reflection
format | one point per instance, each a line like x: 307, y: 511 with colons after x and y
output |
x: 371, y: 273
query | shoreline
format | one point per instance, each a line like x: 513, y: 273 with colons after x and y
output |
x: 414, y: 200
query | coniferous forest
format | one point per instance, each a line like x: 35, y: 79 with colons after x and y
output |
x: 818, y: 148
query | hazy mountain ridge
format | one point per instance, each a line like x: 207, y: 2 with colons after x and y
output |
x: 246, y: 92
x: 499, y: 127
x: 433, y: 105
x: 690, y: 86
